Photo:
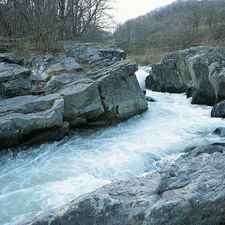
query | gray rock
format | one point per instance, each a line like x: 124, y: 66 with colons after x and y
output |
x: 94, y: 55
x: 43, y: 66
x: 218, y: 110
x: 57, y: 82
x: 103, y: 96
x: 25, y: 115
x: 82, y: 103
x: 220, y: 131
x: 190, y: 191
x: 8, y: 57
x: 47, y: 135
x: 198, y: 71
x: 123, y: 98
x: 114, y: 54
x: 14, y: 80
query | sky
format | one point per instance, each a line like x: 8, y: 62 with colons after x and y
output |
x: 128, y: 9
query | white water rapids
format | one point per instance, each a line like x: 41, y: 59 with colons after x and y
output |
x: 36, y: 179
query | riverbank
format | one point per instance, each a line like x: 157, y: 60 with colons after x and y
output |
x: 43, y: 97
x: 40, y: 178
x: 142, y: 153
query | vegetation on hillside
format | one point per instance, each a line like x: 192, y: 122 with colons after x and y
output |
x: 177, y: 26
x: 43, y: 22
x: 40, y: 24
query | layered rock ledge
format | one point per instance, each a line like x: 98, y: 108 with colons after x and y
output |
x: 198, y: 71
x: 190, y: 191
x: 43, y: 97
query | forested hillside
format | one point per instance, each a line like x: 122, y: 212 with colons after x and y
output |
x: 42, y: 22
x: 180, y: 25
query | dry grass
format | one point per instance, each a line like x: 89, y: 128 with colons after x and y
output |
x: 148, y: 58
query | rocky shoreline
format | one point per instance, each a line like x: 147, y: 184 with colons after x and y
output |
x: 190, y: 191
x: 63, y: 94
x: 43, y: 97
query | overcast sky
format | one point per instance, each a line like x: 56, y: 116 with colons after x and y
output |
x: 127, y: 9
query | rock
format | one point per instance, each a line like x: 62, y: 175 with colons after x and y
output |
x: 123, y: 98
x: 190, y: 191
x: 7, y: 57
x: 103, y: 97
x: 108, y: 92
x: 58, y: 81
x: 220, y: 131
x: 114, y: 54
x: 198, y: 71
x: 209, y: 149
x: 47, y: 135
x: 25, y: 116
x: 95, y: 56
x: 218, y: 110
x: 45, y: 66
x: 14, y: 80
x: 82, y: 103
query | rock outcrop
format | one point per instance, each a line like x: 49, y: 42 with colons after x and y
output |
x: 43, y: 100
x: 198, y: 71
x: 25, y: 116
x: 190, y: 191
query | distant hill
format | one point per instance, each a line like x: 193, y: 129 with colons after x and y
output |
x: 180, y: 25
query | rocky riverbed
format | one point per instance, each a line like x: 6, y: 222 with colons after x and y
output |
x: 189, y: 191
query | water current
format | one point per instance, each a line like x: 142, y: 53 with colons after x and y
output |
x: 38, y: 178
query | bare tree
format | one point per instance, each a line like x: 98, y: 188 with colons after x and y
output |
x: 47, y: 20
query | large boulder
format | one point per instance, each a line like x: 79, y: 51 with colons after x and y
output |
x: 190, y: 191
x: 198, y: 71
x: 82, y: 103
x: 104, y: 96
x: 14, y: 80
x: 24, y: 118
x: 123, y: 98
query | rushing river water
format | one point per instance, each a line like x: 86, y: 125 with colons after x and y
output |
x: 36, y: 179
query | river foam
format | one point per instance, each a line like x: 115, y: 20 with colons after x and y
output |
x: 39, y: 178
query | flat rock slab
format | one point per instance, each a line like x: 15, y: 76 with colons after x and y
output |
x: 23, y: 115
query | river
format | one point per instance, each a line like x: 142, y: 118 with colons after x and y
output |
x: 38, y: 178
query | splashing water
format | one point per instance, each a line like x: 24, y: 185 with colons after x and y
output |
x: 39, y: 178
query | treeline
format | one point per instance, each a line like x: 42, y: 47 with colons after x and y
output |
x: 179, y: 25
x: 44, y: 21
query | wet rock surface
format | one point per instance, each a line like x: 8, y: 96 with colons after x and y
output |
x: 190, y: 191
x: 218, y: 110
